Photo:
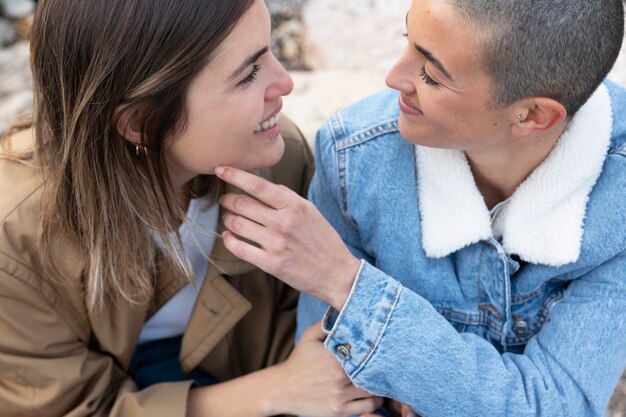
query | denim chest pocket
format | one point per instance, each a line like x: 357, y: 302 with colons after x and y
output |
x: 483, y: 321
x: 529, y: 312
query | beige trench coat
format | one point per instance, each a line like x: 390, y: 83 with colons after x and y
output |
x: 58, y: 359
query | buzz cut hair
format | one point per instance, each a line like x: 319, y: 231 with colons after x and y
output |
x: 559, y: 49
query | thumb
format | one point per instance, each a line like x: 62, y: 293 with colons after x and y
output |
x: 314, y: 333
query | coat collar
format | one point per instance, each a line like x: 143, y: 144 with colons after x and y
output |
x: 219, y: 306
x: 222, y: 262
x: 543, y: 220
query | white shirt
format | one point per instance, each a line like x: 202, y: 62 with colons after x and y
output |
x: 198, y: 237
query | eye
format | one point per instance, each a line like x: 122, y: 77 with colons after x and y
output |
x: 427, y: 79
x: 405, y: 35
x: 250, y: 78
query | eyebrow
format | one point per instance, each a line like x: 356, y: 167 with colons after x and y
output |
x: 248, y: 61
x: 429, y: 56
x: 434, y: 60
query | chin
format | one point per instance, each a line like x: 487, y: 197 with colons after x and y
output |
x: 419, y: 135
x: 265, y: 158
x: 275, y: 157
x: 412, y: 135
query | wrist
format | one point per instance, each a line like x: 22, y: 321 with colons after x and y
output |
x: 274, y: 402
x: 340, y: 292
x: 260, y: 389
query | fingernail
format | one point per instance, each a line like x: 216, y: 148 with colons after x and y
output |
x: 219, y: 170
x: 411, y: 414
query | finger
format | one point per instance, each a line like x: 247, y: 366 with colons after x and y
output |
x: 408, y: 411
x: 267, y: 192
x: 315, y: 332
x: 363, y: 405
x: 245, y: 251
x: 394, y: 407
x: 247, y: 207
x: 354, y: 393
x: 247, y: 229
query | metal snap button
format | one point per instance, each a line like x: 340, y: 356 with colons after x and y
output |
x: 344, y: 351
x: 521, y: 328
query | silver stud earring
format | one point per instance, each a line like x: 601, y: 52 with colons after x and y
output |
x: 519, y: 118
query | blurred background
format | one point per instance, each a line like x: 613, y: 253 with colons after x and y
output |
x: 337, y: 51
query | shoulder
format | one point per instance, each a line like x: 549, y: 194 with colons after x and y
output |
x: 21, y: 265
x: 21, y: 261
x: 605, y: 217
x: 20, y: 186
x: 371, y: 118
x: 617, y: 94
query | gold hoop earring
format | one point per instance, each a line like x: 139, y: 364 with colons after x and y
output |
x: 139, y: 149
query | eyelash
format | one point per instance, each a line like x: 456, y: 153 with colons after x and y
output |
x: 250, y: 78
x: 427, y: 79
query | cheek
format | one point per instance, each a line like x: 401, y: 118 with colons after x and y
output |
x: 443, y: 112
x: 249, y: 106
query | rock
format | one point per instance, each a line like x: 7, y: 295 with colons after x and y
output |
x: 14, y: 9
x: 15, y: 84
x: 357, y: 34
x: 288, y: 40
x: 17, y: 106
x: 290, y: 8
x: 349, y: 47
x: 8, y: 34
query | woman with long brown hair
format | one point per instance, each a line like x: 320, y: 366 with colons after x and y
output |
x: 117, y: 296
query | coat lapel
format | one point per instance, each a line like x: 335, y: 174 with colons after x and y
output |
x: 218, y: 308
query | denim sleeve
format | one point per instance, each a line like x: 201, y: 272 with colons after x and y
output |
x: 325, y: 192
x: 393, y: 343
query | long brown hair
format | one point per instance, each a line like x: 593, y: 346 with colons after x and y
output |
x: 91, y: 58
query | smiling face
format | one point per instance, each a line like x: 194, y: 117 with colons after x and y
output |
x: 445, y: 93
x: 233, y: 105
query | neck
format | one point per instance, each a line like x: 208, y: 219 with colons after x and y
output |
x: 180, y: 181
x: 498, y: 170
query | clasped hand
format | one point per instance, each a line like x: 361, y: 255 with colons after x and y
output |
x: 316, y: 384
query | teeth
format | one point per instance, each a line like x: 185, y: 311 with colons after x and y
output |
x: 268, y: 124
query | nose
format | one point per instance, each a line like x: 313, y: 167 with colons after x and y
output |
x: 399, y: 76
x: 282, y: 83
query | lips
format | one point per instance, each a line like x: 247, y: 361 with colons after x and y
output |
x: 271, y: 120
x: 268, y: 124
x: 408, y: 108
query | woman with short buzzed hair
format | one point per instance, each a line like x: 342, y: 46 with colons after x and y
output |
x: 478, y: 267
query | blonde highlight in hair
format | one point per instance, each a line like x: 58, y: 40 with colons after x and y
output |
x: 93, y: 62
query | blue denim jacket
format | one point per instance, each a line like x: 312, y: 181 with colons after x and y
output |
x: 459, y: 312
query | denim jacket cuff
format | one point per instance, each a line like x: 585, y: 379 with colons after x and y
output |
x: 331, y: 315
x: 354, y: 332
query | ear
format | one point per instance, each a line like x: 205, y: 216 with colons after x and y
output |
x: 538, y: 115
x: 127, y: 124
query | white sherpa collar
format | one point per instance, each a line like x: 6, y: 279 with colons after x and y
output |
x: 543, y: 220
